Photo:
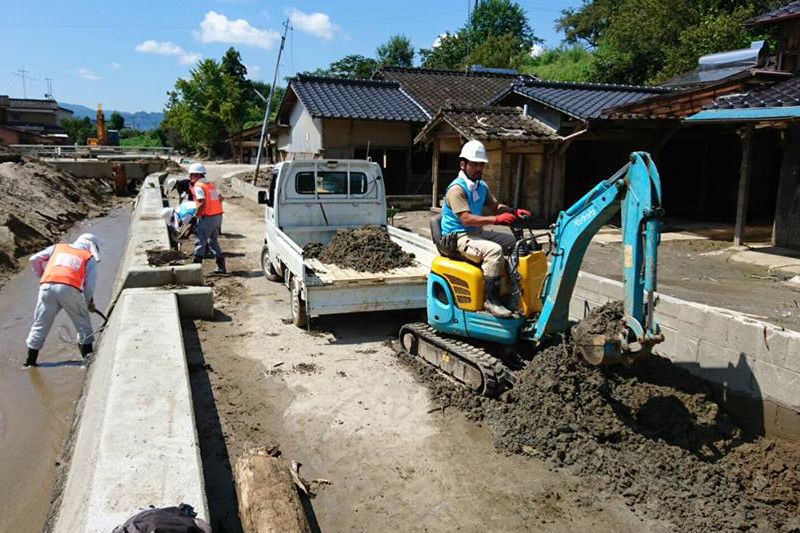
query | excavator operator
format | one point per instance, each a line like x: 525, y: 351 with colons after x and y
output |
x: 463, y: 220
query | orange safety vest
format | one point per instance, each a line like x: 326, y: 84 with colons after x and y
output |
x: 212, y: 203
x: 67, y: 266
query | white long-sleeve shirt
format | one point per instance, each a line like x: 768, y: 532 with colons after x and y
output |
x: 39, y: 262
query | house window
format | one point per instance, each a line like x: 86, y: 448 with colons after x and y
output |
x: 330, y: 182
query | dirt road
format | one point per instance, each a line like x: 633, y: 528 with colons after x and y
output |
x: 337, y: 400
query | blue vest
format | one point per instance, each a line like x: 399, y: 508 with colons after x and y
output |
x: 450, y: 221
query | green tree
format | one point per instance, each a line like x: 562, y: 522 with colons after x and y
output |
x: 79, y: 129
x: 255, y: 105
x: 566, y: 63
x: 397, y: 51
x: 192, y: 116
x: 237, y: 88
x: 647, y: 42
x: 116, y: 122
x: 493, y: 24
x: 354, y: 67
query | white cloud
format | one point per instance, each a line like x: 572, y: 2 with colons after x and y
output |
x: 217, y: 28
x: 253, y: 71
x: 537, y: 50
x: 115, y: 65
x: 438, y: 40
x: 318, y: 24
x: 168, y: 48
x: 86, y: 74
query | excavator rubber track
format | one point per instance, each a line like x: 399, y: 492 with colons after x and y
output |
x: 469, y: 365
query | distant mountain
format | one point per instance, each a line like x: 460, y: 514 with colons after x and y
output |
x: 140, y: 120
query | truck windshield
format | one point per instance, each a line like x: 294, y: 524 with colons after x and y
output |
x: 330, y: 182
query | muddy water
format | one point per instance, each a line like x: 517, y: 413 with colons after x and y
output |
x: 37, y: 405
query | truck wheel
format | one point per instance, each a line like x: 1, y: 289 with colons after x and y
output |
x: 299, y: 315
x: 266, y: 265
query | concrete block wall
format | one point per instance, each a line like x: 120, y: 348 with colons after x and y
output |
x: 747, y: 357
x: 136, y: 443
x: 247, y: 190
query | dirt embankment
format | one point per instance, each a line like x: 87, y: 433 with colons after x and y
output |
x: 38, y: 202
x: 651, y: 433
x: 366, y: 249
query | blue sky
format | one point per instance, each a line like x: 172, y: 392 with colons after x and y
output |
x: 127, y: 55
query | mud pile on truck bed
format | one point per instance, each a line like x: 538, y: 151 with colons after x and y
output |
x: 38, y: 202
x: 365, y: 249
x: 651, y: 433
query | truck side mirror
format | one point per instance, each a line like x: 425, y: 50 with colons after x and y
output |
x: 263, y: 197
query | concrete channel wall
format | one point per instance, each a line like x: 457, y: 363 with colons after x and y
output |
x: 751, y: 359
x: 134, y: 443
x: 247, y: 190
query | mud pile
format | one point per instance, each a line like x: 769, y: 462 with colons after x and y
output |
x: 38, y: 202
x: 366, y: 249
x: 651, y: 433
x: 160, y: 257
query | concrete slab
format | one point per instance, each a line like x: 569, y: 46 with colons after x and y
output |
x: 771, y: 258
x: 247, y: 190
x: 193, y: 302
x: 136, y: 443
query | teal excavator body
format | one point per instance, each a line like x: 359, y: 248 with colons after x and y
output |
x: 635, y: 190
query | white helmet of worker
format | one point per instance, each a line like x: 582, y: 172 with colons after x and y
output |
x: 197, y: 168
x: 90, y: 242
x: 474, y: 151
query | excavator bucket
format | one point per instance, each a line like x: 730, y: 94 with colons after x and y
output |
x: 608, y: 350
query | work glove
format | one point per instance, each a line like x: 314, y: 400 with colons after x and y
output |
x: 91, y: 306
x: 448, y: 246
x: 505, y: 219
x: 522, y: 213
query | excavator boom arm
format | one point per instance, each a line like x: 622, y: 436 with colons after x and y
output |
x: 636, y: 189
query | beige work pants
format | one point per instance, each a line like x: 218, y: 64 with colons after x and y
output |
x: 486, y: 249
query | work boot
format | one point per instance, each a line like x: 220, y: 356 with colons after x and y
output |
x: 221, y: 266
x: 31, y: 360
x: 492, y: 298
x: 198, y: 259
x: 86, y: 349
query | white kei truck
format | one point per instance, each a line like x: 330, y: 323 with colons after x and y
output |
x: 310, y: 200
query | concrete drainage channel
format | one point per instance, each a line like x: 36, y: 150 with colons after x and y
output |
x: 134, y: 441
x: 754, y: 365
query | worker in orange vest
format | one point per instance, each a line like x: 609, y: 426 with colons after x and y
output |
x: 68, y: 275
x: 208, y: 201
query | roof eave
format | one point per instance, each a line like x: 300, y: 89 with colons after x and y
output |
x: 745, y: 115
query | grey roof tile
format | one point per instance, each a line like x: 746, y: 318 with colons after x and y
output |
x: 581, y: 100
x: 789, y: 11
x: 437, y: 89
x: 356, y: 99
x: 493, y: 123
x: 783, y: 94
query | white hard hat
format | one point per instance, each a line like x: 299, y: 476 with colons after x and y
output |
x: 474, y: 151
x: 90, y: 242
x: 197, y: 168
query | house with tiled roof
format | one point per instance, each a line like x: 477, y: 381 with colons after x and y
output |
x: 515, y: 142
x: 322, y: 117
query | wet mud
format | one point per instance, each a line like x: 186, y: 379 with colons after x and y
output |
x: 165, y: 256
x: 37, y: 406
x: 365, y: 249
x: 39, y: 202
x: 651, y: 433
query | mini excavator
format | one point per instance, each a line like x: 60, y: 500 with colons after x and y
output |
x: 484, y: 352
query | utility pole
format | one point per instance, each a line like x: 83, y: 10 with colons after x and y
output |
x: 269, y: 101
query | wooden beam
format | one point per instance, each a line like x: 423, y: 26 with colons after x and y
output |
x: 435, y: 174
x: 744, y: 186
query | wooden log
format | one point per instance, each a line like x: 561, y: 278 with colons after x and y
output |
x: 268, y: 499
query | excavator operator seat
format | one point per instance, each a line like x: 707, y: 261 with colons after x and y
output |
x: 464, y: 278
x: 436, y: 229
